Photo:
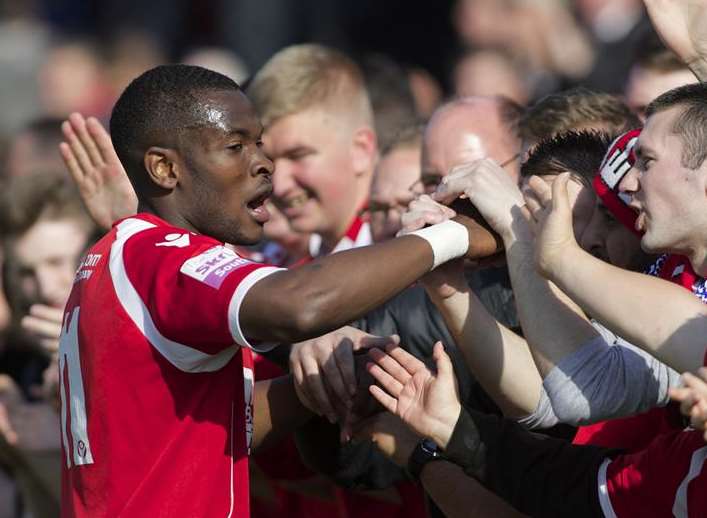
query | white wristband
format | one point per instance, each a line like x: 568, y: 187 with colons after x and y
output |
x: 448, y: 240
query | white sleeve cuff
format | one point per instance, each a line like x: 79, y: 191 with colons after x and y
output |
x: 234, y: 307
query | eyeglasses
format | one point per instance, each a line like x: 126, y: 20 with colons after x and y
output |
x: 429, y: 182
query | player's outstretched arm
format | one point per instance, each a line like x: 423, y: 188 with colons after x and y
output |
x: 664, y: 319
x: 322, y: 296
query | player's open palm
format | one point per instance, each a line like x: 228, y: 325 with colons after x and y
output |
x: 94, y: 165
x: 550, y: 209
x: 427, y: 402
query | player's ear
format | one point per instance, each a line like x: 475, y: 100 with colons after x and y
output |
x: 161, y: 166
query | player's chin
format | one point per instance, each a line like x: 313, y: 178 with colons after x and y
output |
x: 252, y: 235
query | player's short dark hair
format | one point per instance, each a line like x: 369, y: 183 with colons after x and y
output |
x: 573, y: 109
x: 578, y: 152
x: 691, y: 125
x: 157, y: 105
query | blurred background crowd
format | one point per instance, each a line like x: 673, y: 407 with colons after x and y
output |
x: 64, y: 56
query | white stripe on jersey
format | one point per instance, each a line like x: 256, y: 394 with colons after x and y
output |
x: 696, y: 465
x: 234, y: 307
x: 604, y: 498
x: 69, y: 359
x: 230, y: 455
x: 183, y: 357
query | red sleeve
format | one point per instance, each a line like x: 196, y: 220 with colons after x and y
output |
x: 669, y: 478
x: 187, y: 287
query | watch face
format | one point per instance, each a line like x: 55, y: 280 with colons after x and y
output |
x: 429, y: 446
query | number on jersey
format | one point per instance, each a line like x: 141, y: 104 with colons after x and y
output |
x: 73, y: 400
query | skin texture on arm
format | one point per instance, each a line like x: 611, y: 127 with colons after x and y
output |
x: 682, y: 25
x: 330, y: 292
x: 460, y: 496
x: 499, y: 359
x: 457, y: 494
x: 537, y: 475
x: 661, y: 317
x: 553, y: 326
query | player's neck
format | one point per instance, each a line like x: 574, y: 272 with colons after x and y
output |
x: 167, y: 213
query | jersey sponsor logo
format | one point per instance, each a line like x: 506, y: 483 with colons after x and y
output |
x: 85, y: 269
x: 175, y: 240
x: 213, y: 266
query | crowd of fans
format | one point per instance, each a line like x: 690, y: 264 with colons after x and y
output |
x: 550, y: 366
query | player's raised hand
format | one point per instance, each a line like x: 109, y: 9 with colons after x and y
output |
x: 427, y: 402
x: 93, y: 164
x: 324, y: 369
x: 682, y: 25
x: 550, y: 209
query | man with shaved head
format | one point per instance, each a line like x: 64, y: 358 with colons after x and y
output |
x: 458, y: 132
x: 467, y: 129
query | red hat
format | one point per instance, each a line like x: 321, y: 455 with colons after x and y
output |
x: 617, y: 162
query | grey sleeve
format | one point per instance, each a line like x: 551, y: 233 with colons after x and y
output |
x: 543, y: 416
x: 607, y: 378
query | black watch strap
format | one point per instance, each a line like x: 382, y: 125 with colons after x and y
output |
x: 425, y: 451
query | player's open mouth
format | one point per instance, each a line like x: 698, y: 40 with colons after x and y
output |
x: 256, y: 206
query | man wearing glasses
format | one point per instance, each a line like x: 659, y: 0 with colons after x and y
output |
x: 458, y: 132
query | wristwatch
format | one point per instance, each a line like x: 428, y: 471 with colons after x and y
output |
x: 425, y: 451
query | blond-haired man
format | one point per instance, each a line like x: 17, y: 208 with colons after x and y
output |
x: 319, y: 132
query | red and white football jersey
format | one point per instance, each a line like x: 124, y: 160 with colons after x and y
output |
x: 156, y: 376
x: 667, y: 479
x: 358, y: 234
